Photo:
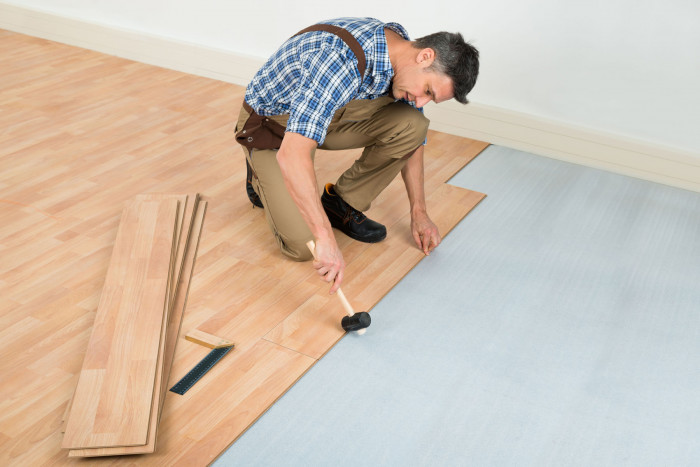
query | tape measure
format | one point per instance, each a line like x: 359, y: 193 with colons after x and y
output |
x: 200, y: 369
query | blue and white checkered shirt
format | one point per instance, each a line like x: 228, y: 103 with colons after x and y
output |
x: 314, y: 74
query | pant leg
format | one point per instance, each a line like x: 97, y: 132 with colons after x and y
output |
x: 390, y: 132
x: 387, y: 130
x: 286, y: 223
x: 283, y: 216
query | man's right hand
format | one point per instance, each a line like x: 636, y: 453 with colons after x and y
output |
x: 329, y: 262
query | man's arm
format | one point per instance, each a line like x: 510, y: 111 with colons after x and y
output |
x: 294, y: 158
x: 425, y: 232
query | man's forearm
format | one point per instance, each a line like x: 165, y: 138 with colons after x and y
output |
x: 296, y: 164
x: 413, y: 177
x: 425, y: 232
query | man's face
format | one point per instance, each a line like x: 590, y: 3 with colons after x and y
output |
x: 417, y: 83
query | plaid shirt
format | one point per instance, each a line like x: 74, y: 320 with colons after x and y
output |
x: 314, y: 74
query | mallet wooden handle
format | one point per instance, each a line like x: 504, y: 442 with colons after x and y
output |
x: 344, y: 301
x: 360, y: 321
x: 348, y: 308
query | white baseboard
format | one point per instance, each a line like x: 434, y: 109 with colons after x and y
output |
x: 553, y: 139
x: 557, y: 140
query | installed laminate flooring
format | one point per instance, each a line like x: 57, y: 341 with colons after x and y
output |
x: 81, y: 133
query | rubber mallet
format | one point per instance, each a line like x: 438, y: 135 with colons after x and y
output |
x: 353, y: 321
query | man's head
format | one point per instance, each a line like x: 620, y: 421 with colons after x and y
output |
x: 454, y: 58
x: 441, y: 66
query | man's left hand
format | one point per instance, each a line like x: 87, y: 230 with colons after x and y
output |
x: 425, y: 232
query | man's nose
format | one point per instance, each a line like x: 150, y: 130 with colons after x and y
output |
x: 421, y: 101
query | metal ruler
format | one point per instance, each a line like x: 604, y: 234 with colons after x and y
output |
x: 200, y: 369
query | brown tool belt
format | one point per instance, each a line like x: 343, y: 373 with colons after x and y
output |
x: 260, y: 132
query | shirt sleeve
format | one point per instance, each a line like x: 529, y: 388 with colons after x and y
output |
x: 328, y: 81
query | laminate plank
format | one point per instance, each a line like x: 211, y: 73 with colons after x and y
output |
x: 173, y: 328
x: 147, y: 359
x: 185, y: 217
x: 112, y: 402
x: 184, y: 281
x: 208, y: 340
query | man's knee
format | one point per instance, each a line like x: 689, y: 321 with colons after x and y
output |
x: 417, y: 124
x: 411, y: 126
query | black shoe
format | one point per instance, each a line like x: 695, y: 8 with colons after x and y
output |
x: 252, y: 195
x: 350, y: 221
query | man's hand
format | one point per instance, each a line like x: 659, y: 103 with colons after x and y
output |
x: 329, y: 262
x: 425, y: 232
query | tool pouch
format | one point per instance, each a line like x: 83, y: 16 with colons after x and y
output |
x: 260, y: 132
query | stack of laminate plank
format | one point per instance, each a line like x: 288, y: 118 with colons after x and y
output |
x: 123, y: 381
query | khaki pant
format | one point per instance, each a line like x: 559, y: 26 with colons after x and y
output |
x: 389, y: 131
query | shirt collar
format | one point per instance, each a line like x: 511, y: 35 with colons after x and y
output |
x: 382, y: 63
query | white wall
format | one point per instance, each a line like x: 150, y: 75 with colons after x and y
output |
x: 625, y: 67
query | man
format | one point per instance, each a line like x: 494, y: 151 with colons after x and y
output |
x: 355, y: 83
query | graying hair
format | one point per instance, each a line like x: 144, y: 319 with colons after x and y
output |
x: 455, y: 58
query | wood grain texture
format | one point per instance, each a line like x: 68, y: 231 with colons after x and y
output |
x: 83, y: 133
x: 190, y: 240
x: 207, y: 340
x: 314, y: 327
x: 112, y: 402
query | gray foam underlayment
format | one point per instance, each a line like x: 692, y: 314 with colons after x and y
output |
x: 558, y: 324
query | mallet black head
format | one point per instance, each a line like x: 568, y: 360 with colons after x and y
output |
x: 356, y: 322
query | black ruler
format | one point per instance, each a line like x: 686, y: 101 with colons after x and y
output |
x: 199, y: 370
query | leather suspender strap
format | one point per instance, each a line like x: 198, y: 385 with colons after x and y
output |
x: 348, y: 38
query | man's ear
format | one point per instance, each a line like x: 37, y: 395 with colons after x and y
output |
x: 425, y: 57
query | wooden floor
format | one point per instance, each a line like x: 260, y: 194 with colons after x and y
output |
x: 80, y: 134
